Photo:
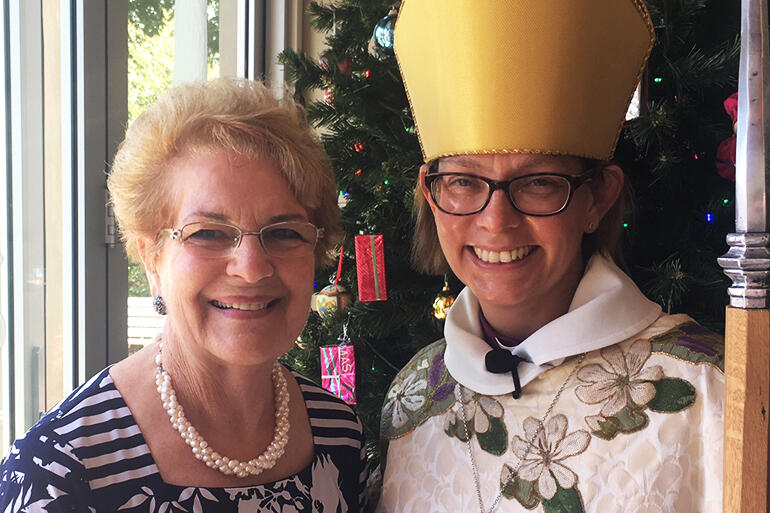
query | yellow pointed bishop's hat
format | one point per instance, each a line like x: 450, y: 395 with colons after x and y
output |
x: 516, y: 76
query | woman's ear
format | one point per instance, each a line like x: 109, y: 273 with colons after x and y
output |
x: 425, y: 192
x: 148, y: 254
x: 606, y: 192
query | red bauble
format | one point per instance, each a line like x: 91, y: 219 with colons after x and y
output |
x: 725, y: 157
x: 345, y: 66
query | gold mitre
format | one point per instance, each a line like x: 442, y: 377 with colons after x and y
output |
x: 521, y: 76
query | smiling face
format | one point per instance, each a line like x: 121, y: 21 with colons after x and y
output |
x: 511, y: 260
x: 247, y: 308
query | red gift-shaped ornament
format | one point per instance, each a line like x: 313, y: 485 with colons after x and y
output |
x: 370, y: 268
x: 338, y: 371
x: 725, y: 157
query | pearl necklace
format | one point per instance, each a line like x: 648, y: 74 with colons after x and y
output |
x: 201, y: 449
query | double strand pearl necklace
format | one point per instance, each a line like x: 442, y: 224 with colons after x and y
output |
x: 201, y: 449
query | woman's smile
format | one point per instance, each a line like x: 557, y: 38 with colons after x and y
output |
x: 244, y: 309
x: 493, y: 256
x: 242, y: 306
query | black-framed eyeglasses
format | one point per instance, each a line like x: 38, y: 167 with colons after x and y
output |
x: 537, y: 194
x: 220, y: 240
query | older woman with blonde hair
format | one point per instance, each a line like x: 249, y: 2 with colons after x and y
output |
x: 557, y: 386
x: 229, y: 203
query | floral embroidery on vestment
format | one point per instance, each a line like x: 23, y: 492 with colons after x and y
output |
x: 626, y: 387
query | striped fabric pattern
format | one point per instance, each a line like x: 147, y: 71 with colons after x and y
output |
x: 88, y: 454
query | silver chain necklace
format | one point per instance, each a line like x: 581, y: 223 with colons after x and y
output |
x: 459, y: 394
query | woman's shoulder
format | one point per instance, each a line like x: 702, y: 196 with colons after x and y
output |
x: 98, y: 394
x: 430, y: 356
x: 421, y: 390
x: 44, y: 466
x: 682, y: 338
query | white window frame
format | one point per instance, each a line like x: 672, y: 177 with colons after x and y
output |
x: 24, y: 224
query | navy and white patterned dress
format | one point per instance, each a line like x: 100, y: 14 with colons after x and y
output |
x: 88, y: 454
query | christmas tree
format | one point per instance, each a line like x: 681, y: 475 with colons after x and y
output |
x: 674, y: 235
x: 684, y: 209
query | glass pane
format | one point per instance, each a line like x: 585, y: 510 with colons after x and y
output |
x: 152, y: 59
x: 58, y: 293
x: 23, y: 233
x: 4, y: 283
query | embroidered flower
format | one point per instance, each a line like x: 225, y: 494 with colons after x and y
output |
x: 626, y: 380
x: 478, y: 409
x: 541, y: 460
x: 407, y: 395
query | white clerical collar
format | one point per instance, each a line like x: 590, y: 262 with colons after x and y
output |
x: 607, y: 308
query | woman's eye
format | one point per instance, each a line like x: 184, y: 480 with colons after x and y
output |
x: 208, y: 234
x: 284, y: 234
x: 541, y: 182
x: 461, y: 182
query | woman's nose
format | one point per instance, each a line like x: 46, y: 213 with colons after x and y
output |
x: 499, y: 213
x: 249, y: 260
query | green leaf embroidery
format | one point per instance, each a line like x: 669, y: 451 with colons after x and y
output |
x: 455, y: 428
x: 672, y: 394
x: 565, y: 501
x: 514, y: 488
x: 627, y: 420
x: 495, y: 439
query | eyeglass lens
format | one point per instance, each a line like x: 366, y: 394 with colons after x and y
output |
x: 220, y: 240
x: 536, y: 194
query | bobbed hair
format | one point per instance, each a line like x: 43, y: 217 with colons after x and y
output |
x: 237, y: 117
x: 427, y: 256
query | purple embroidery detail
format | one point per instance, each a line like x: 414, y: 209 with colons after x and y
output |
x: 443, y: 391
x: 436, y: 370
x: 695, y: 346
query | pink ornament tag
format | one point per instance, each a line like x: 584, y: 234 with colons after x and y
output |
x: 338, y: 371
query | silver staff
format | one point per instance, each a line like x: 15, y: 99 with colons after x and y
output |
x: 747, y: 263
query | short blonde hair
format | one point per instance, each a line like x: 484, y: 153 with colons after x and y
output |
x: 236, y: 116
x: 428, y: 258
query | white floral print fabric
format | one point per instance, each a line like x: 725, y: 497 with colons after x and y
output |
x: 543, y: 450
x: 623, y: 379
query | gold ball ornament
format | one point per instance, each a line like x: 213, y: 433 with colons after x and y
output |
x: 444, y: 300
x: 331, y: 298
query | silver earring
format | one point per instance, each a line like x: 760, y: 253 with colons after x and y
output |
x: 591, y: 227
x: 159, y: 305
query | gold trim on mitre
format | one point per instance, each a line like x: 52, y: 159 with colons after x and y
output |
x: 521, y: 76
